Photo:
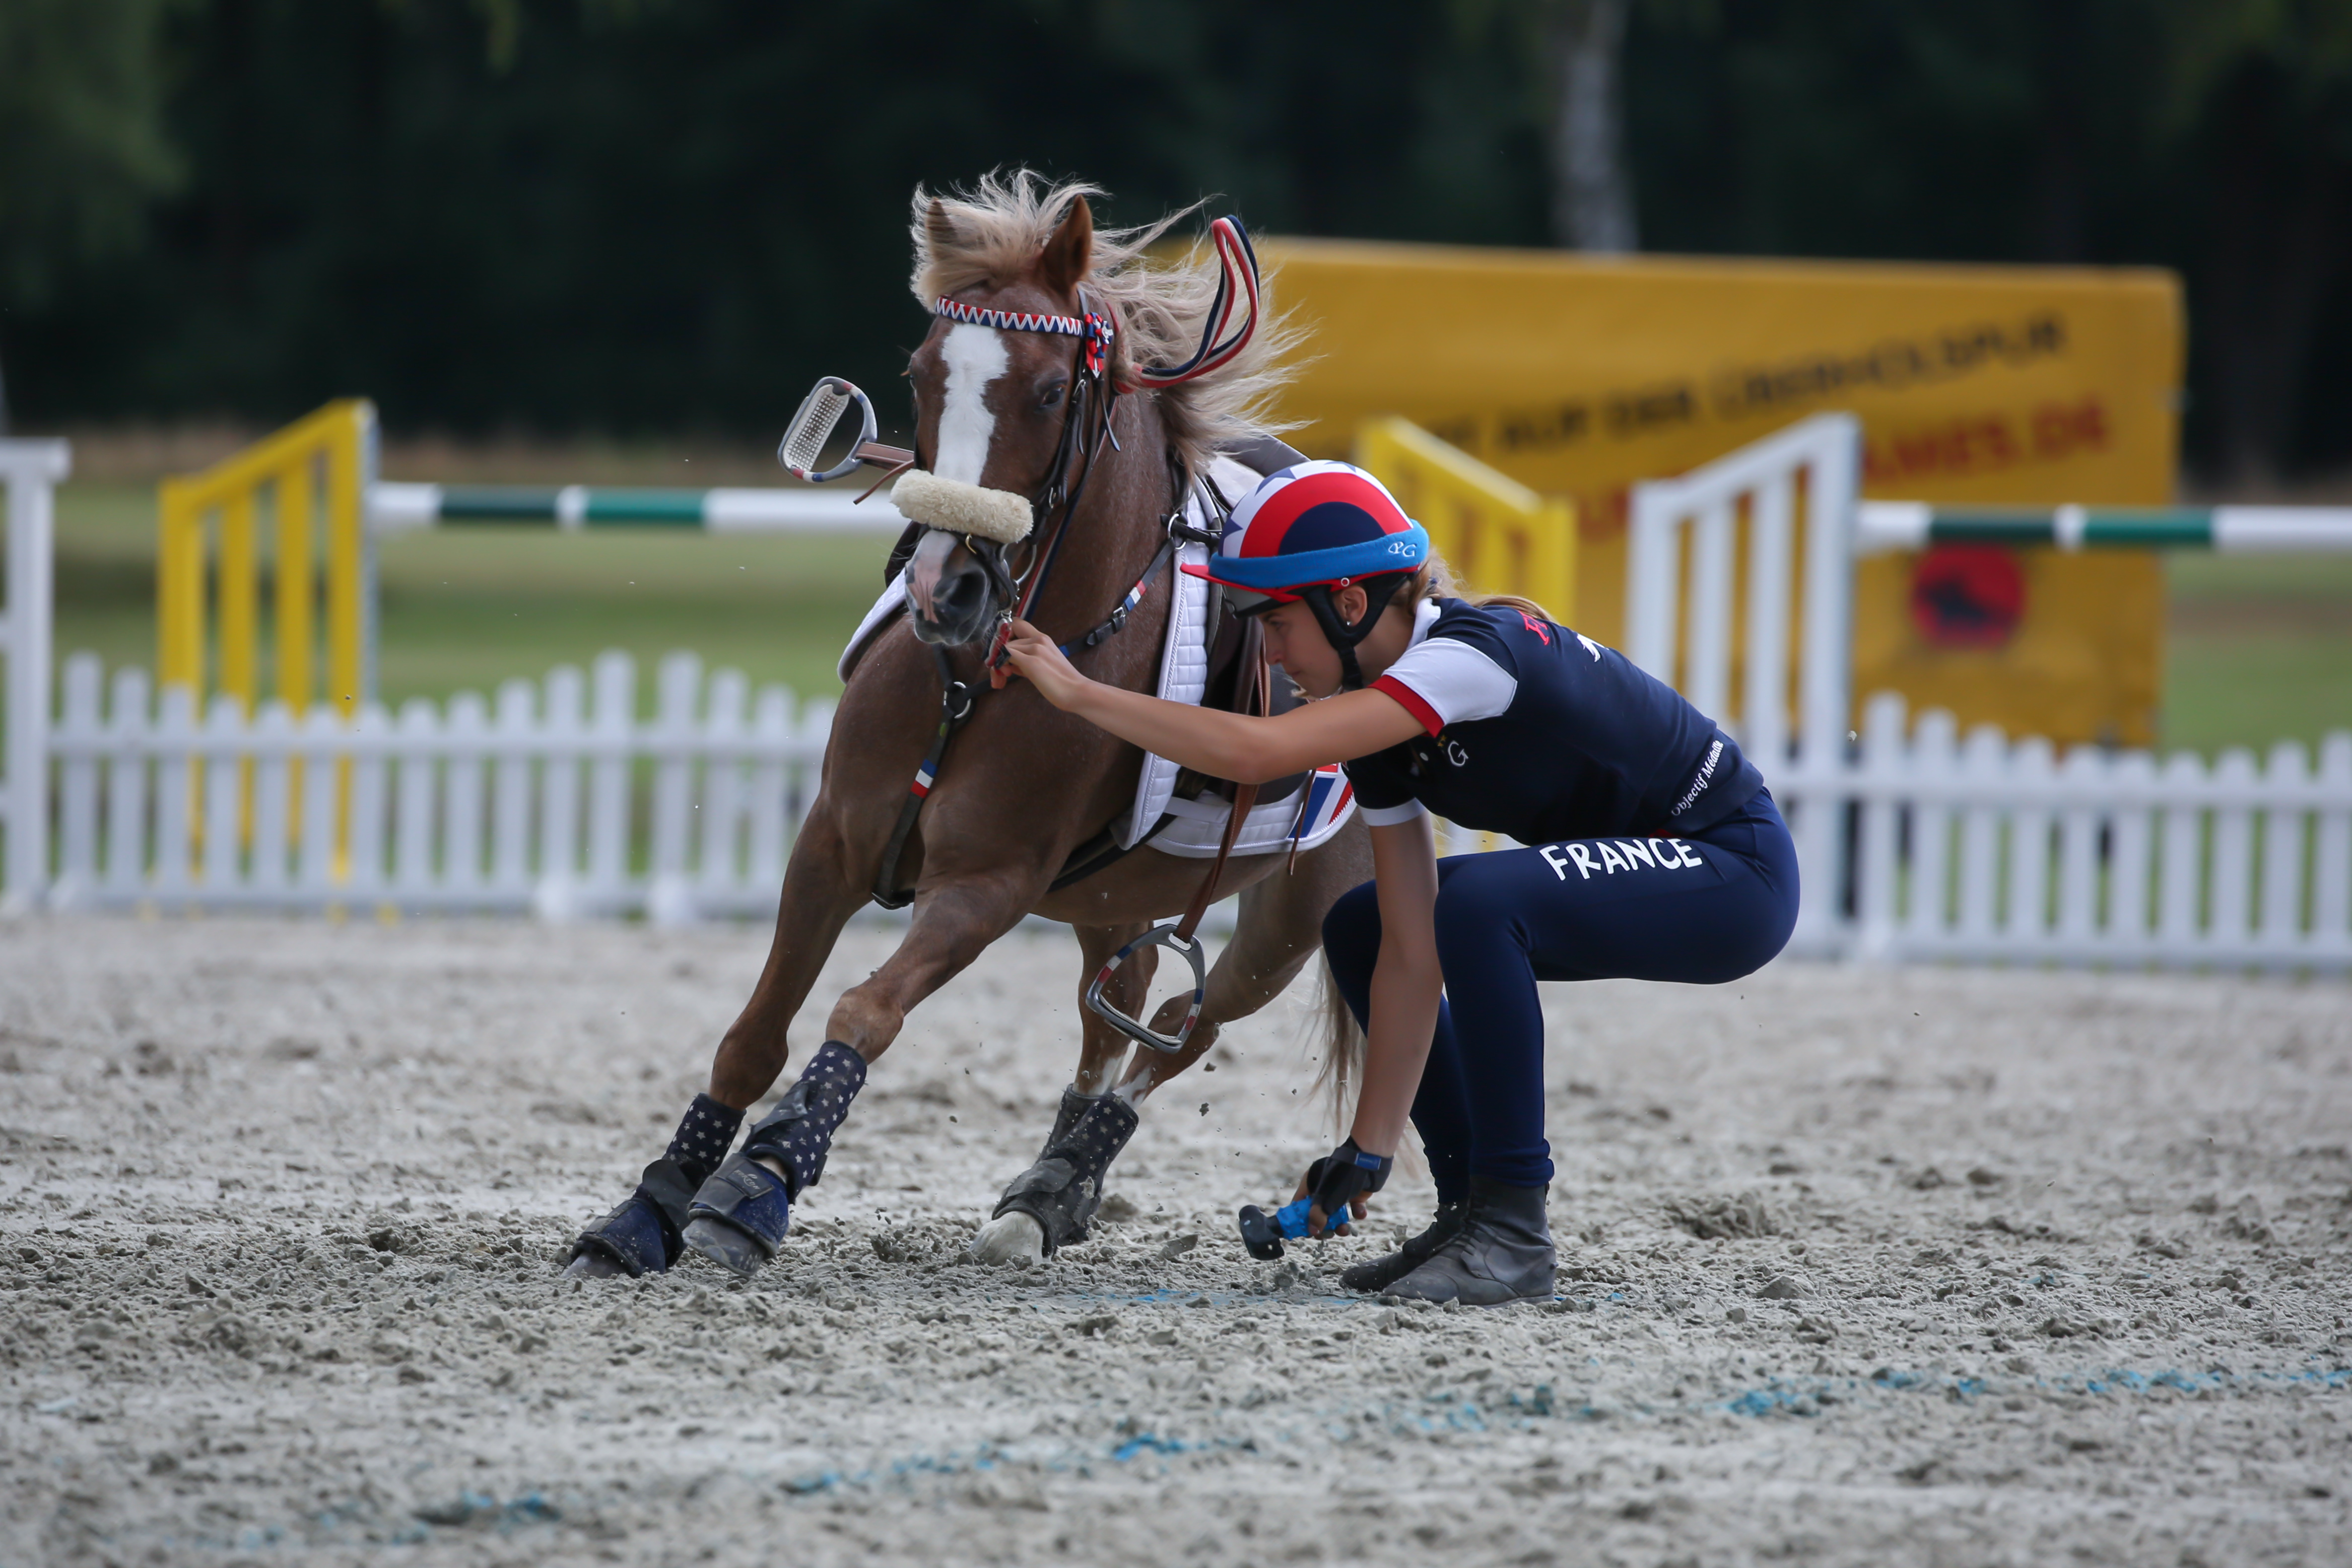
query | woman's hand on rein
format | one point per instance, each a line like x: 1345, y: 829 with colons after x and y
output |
x: 1037, y: 659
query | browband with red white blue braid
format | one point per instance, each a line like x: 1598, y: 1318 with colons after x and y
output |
x: 1097, y: 330
x: 1237, y: 282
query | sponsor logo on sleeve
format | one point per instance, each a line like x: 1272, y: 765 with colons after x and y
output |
x: 1705, y: 776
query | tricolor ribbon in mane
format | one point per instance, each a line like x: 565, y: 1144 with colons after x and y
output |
x: 1237, y: 281
x: 1237, y: 286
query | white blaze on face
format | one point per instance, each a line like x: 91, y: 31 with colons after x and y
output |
x: 974, y: 356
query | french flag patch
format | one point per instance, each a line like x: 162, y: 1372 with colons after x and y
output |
x: 925, y: 776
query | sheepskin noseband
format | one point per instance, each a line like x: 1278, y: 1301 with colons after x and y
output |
x: 949, y: 504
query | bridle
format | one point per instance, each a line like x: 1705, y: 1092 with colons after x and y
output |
x: 1088, y: 421
x: 1094, y: 400
x: 1086, y: 427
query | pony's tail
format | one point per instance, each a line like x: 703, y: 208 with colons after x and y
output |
x: 1340, y: 1070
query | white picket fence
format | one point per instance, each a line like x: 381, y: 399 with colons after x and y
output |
x: 1984, y: 849
x: 30, y: 472
x: 554, y: 799
x: 1921, y: 846
x: 559, y: 799
x: 1814, y: 464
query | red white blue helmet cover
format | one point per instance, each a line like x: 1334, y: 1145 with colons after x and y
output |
x: 1315, y: 525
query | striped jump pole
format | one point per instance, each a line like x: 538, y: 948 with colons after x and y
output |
x: 399, y: 507
x: 1885, y: 526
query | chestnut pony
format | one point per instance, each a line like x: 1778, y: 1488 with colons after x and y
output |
x: 1022, y: 785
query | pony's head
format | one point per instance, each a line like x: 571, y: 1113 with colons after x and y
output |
x: 994, y: 407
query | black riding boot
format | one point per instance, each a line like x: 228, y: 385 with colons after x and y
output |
x: 1502, y: 1253
x: 1377, y: 1274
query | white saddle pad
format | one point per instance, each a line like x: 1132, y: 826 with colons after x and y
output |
x: 1184, y: 676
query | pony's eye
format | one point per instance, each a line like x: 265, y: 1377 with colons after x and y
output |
x: 1054, y: 395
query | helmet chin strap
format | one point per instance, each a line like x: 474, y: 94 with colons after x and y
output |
x: 1343, y: 638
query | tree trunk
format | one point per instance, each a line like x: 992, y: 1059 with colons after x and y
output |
x: 2278, y: 239
x: 2065, y: 61
x: 1593, y: 196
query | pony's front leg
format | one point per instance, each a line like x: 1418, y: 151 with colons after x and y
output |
x: 740, y: 1215
x: 645, y: 1232
x: 1048, y: 1206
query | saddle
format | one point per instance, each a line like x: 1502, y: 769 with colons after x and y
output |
x: 1227, y: 692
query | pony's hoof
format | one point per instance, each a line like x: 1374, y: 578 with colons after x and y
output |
x: 726, y: 1246
x: 636, y: 1238
x: 740, y: 1216
x: 592, y: 1266
x: 1010, y: 1237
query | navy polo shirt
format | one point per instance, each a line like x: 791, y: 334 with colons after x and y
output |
x: 1544, y: 735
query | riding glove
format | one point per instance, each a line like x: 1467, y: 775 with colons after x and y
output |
x: 1337, y: 1180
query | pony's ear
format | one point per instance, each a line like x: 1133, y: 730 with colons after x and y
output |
x: 1063, y: 263
x: 939, y: 227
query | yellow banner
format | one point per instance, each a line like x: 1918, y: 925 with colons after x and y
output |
x: 1578, y: 376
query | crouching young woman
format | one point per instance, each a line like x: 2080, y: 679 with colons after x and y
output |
x: 1656, y: 853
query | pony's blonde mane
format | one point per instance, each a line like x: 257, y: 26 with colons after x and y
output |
x: 998, y: 226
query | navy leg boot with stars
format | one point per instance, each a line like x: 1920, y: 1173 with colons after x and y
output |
x: 1063, y: 1189
x: 740, y: 1216
x: 644, y: 1234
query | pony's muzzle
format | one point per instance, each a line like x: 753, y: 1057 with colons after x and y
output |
x: 950, y: 589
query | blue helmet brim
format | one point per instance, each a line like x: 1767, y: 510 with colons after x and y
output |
x: 1285, y: 574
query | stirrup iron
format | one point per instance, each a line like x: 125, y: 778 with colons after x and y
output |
x: 1169, y: 935
x: 813, y: 425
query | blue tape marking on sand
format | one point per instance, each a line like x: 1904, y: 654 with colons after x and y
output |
x: 1147, y: 1442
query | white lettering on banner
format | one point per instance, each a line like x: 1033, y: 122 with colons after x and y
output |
x: 1583, y: 859
x: 1591, y: 646
x: 1559, y: 867
x: 1683, y: 851
x: 1608, y: 857
x: 1635, y: 850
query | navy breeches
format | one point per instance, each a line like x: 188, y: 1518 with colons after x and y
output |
x: 1700, y: 911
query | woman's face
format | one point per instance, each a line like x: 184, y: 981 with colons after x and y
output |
x: 1294, y: 640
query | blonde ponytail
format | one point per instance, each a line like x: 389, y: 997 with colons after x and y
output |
x: 1434, y: 579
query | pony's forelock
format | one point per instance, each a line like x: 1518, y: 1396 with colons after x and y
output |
x: 992, y: 233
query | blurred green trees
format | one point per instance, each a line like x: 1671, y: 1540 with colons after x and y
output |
x: 641, y: 215
x: 81, y: 143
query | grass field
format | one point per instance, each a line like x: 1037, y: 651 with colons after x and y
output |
x: 470, y: 607
x: 2261, y: 648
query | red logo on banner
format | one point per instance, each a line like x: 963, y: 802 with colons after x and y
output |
x: 1967, y: 596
